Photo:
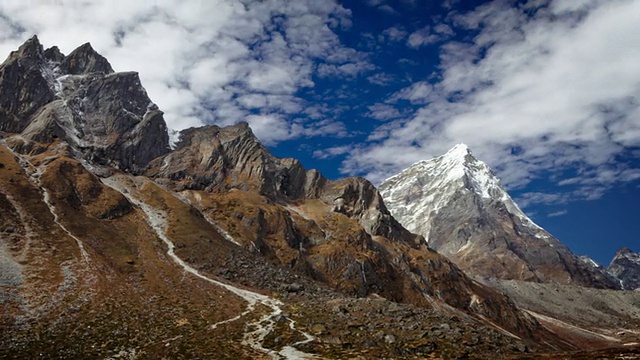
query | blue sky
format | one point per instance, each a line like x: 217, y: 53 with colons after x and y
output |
x: 545, y: 91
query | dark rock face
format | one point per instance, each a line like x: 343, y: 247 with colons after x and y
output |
x: 359, y: 199
x: 83, y: 60
x: 505, y: 247
x: 105, y: 116
x: 116, y: 125
x: 23, y: 87
x: 626, y: 267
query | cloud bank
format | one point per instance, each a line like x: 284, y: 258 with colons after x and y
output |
x: 216, y: 61
x: 534, y: 90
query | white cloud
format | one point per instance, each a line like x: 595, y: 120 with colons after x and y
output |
x: 383, y: 112
x: 558, y: 213
x: 422, y: 37
x: 417, y: 93
x: 562, y: 90
x: 394, y: 33
x: 429, y: 35
x: 381, y: 79
x: 202, y: 61
x: 331, y: 152
x: 388, y: 9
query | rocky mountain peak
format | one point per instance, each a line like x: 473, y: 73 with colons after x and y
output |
x: 22, y: 74
x: 459, y: 151
x: 459, y: 205
x: 106, y: 117
x: 85, y: 60
x: 624, y: 252
x: 626, y: 267
x: 30, y: 49
x: 53, y: 54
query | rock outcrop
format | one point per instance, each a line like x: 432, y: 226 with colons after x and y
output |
x: 626, y: 267
x: 105, y: 117
x: 23, y: 87
x: 224, y: 158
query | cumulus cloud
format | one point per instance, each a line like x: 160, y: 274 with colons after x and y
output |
x: 217, y: 61
x: 429, y: 35
x: 394, y: 33
x: 536, y: 90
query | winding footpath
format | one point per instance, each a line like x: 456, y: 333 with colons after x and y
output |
x: 258, y: 330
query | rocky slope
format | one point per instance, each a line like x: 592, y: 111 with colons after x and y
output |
x: 458, y: 204
x: 626, y: 267
x: 113, y: 245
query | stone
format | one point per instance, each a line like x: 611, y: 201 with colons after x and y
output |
x: 295, y: 288
x: 390, y: 339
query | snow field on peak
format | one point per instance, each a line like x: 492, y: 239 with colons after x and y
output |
x: 417, y: 194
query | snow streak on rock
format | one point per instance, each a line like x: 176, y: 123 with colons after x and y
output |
x: 34, y: 174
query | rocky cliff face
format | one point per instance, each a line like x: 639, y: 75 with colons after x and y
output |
x: 214, y: 248
x: 105, y: 117
x: 224, y: 158
x: 458, y: 204
x: 626, y: 267
x: 23, y: 89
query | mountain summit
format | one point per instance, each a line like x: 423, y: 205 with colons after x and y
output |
x: 626, y: 267
x: 459, y: 205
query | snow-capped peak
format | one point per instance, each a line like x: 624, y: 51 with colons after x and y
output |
x: 459, y: 163
x: 416, y: 194
x: 458, y: 151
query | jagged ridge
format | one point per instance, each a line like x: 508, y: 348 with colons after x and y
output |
x: 105, y: 117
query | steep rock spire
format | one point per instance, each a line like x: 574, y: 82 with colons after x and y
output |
x: 626, y: 267
x: 85, y: 60
x: 23, y: 87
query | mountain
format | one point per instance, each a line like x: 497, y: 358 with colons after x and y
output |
x: 112, y: 244
x: 626, y: 267
x: 458, y: 204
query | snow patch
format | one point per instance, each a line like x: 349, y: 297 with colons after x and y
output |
x: 465, y: 246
